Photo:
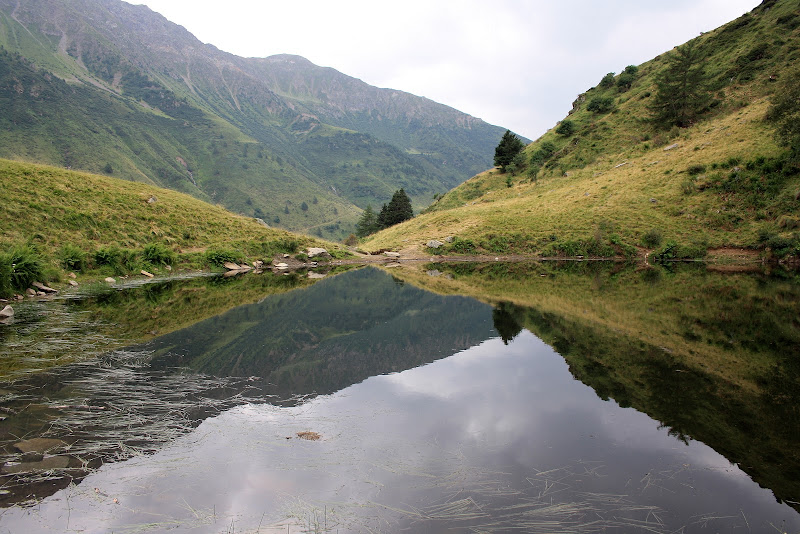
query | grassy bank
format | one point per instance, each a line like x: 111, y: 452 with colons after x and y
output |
x: 57, y: 221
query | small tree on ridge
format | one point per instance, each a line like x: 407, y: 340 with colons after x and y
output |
x: 510, y: 145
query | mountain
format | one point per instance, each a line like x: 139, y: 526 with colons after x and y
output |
x: 106, y: 86
x: 620, y: 175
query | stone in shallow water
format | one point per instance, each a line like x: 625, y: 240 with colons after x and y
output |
x: 53, y: 462
x: 39, y: 445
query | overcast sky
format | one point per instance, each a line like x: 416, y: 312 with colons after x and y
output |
x: 514, y: 63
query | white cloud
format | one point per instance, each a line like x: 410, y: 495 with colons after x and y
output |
x: 514, y: 63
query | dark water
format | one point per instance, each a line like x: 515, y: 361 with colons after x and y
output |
x: 434, y: 412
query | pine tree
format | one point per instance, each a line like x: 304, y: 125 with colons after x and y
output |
x: 505, y: 152
x: 368, y: 223
x: 681, y: 86
x: 398, y: 210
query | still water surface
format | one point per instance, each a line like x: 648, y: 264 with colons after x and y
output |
x: 433, y: 413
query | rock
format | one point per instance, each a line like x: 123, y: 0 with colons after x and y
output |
x: 391, y: 254
x: 41, y: 294
x: 449, y: 239
x: 110, y: 280
x: 7, y: 312
x: 433, y: 243
x: 286, y: 255
x: 41, y: 287
x: 258, y: 264
x: 262, y: 223
x: 321, y: 252
x: 39, y: 445
x: 148, y: 275
x: 653, y: 200
x: 281, y: 266
x: 72, y: 275
x: 245, y: 267
x: 47, y: 464
x: 168, y: 267
x: 231, y: 266
x: 315, y: 276
x: 670, y: 147
x: 435, y: 272
x: 152, y: 200
x: 73, y: 283
x: 392, y: 264
x: 30, y: 292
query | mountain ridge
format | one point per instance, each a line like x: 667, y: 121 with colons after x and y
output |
x: 280, y: 107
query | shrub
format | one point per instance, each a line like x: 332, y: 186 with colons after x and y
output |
x: 566, y: 128
x: 109, y: 256
x: 673, y: 251
x: 19, y: 268
x: 128, y: 261
x: 601, y: 105
x: 158, y: 254
x: 607, y: 81
x: 219, y: 257
x: 462, y: 246
x: 694, y: 170
x: 651, y: 239
x: 72, y: 258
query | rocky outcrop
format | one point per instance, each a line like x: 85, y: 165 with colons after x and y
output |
x: 314, y: 252
x: 41, y: 287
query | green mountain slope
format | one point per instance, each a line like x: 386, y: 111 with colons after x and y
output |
x: 608, y: 178
x: 58, y: 214
x: 101, y: 84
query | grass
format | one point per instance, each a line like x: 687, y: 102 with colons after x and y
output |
x: 72, y: 220
x: 629, y: 201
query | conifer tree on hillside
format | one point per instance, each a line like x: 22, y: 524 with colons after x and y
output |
x: 398, y: 210
x: 681, y: 88
x: 368, y: 223
x: 510, y: 145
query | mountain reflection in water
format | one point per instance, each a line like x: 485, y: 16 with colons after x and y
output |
x: 471, y: 431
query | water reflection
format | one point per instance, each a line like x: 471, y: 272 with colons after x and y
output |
x: 559, y: 398
x: 281, y: 350
x: 494, y: 438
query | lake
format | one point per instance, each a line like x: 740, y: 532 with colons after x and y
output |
x: 533, y: 397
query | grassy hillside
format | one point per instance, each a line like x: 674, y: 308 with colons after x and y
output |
x: 59, y: 214
x: 614, y: 179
